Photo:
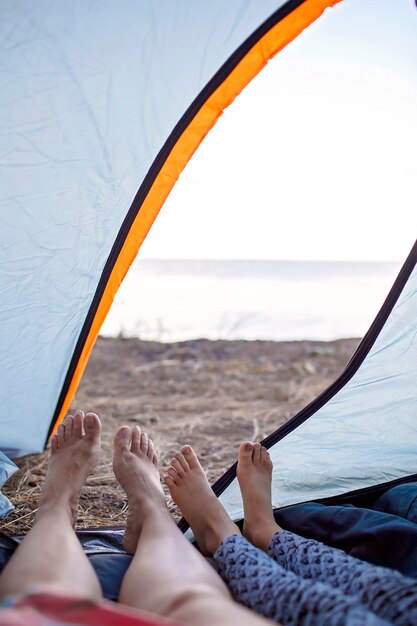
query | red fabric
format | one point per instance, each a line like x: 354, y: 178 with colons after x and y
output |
x: 52, y: 609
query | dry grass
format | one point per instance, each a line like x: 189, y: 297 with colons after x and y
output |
x: 211, y: 395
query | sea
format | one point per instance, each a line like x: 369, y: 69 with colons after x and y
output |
x: 176, y: 300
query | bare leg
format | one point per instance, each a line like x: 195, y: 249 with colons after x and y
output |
x: 191, y: 491
x: 255, y: 578
x: 51, y: 554
x: 254, y: 473
x: 167, y: 575
x: 332, y: 579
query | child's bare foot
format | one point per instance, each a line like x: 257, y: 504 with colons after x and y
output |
x: 74, y: 452
x: 254, y: 473
x: 135, y: 465
x: 190, y: 490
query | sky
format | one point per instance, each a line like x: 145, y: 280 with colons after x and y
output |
x: 316, y: 158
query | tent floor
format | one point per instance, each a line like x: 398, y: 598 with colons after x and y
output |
x: 378, y: 528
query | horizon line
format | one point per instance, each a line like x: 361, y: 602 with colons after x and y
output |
x: 239, y: 259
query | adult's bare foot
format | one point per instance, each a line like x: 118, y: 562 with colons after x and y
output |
x: 135, y: 465
x: 254, y: 473
x: 191, y: 492
x: 75, y: 450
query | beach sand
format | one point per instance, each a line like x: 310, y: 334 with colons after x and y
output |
x: 209, y: 394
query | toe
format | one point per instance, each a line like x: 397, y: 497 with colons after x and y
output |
x: 144, y: 441
x: 266, y: 458
x: 190, y: 456
x: 182, y: 461
x: 151, y: 449
x: 54, y: 444
x: 177, y: 467
x: 78, y: 424
x: 169, y: 481
x: 135, y: 443
x: 61, y: 434
x: 245, y: 452
x: 155, y: 460
x: 257, y: 453
x: 92, y: 427
x: 69, y: 426
x: 173, y: 475
x: 123, y: 438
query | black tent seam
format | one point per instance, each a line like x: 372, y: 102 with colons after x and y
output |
x: 152, y: 174
x: 351, y: 368
x: 343, y: 497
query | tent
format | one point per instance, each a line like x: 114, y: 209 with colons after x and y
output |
x: 100, y: 112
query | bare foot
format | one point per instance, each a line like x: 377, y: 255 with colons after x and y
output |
x: 75, y: 451
x: 254, y: 473
x: 191, y: 492
x: 135, y: 465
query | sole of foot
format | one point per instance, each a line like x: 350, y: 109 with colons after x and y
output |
x: 75, y: 450
x: 254, y: 473
x: 191, y: 492
x: 135, y: 465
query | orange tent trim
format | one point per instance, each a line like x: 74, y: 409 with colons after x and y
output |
x: 264, y: 49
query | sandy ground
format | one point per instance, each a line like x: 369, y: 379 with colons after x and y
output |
x: 210, y: 394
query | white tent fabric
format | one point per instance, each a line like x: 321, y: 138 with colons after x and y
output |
x: 365, y: 435
x: 88, y: 95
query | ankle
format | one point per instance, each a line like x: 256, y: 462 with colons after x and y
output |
x: 144, y: 507
x: 221, y: 537
x: 260, y: 531
x: 62, y: 508
x: 216, y: 532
